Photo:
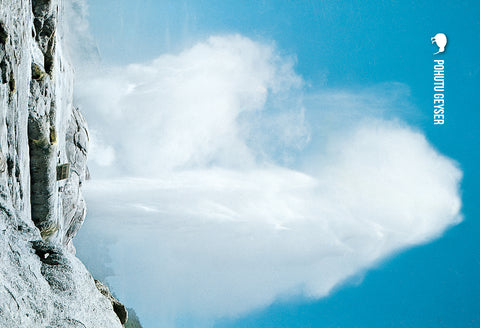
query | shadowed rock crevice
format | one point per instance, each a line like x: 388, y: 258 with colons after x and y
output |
x: 45, y: 19
x: 118, y: 307
x: 55, y: 266
x: 43, y: 153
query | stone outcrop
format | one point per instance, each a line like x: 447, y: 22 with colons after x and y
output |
x: 118, y: 307
x: 133, y: 320
x: 43, y: 153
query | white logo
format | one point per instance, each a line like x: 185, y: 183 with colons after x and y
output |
x: 441, y: 40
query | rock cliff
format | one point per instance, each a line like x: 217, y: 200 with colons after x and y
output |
x: 43, y: 152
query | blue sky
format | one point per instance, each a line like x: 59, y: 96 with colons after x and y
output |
x: 362, y: 47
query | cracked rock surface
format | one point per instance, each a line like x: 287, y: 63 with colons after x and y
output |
x: 42, y: 283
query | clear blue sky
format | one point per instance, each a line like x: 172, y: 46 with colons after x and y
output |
x: 350, y: 44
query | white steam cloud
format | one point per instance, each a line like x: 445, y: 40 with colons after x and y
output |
x: 198, y: 184
x: 186, y: 110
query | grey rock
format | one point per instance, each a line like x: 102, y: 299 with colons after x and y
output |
x: 38, y: 72
x: 118, y: 307
x: 41, y: 8
x: 42, y: 283
x: 3, y: 163
x: 133, y: 320
x: 3, y: 33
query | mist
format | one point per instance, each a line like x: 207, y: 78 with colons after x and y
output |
x: 210, y: 197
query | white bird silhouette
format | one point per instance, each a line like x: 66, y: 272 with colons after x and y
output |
x: 441, y: 40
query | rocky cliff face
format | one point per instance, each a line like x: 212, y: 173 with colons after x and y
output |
x: 43, y: 149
